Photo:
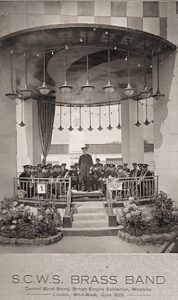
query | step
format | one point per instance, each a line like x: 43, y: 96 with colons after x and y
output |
x: 103, y: 231
x: 88, y: 210
x: 84, y: 199
x: 90, y: 216
x: 89, y: 223
x: 89, y: 207
x: 86, y: 194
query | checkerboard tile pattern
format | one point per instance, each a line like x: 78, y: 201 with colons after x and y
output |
x: 147, y: 15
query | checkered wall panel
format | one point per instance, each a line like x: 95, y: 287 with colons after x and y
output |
x: 150, y: 16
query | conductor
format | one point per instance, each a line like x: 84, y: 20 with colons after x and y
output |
x: 85, y: 163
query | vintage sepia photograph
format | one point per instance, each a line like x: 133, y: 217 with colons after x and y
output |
x: 89, y: 147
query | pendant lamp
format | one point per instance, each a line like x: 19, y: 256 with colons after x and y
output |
x: 22, y: 123
x: 109, y: 108
x: 146, y: 121
x: 87, y: 87
x: 70, y: 127
x: 158, y: 94
x: 109, y: 88
x: 80, y: 116
x: 145, y: 93
x: 60, y: 126
x: 44, y: 89
x: 138, y: 124
x: 100, y: 127
x: 129, y: 90
x: 11, y: 95
x: 90, y: 127
x: 26, y: 93
x: 66, y: 88
x: 119, y: 124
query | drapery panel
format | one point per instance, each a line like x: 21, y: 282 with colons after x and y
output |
x: 46, y: 112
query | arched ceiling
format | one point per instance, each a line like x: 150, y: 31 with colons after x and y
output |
x: 82, y: 40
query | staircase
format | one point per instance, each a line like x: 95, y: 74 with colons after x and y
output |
x: 89, y: 219
x: 89, y: 215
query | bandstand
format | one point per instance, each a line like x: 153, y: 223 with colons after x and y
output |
x: 91, y: 65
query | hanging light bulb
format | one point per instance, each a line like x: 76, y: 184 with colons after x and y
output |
x: 90, y: 127
x: 26, y: 93
x: 158, y: 94
x: 109, y: 88
x: 11, y: 95
x: 60, y: 126
x: 146, y: 121
x: 19, y: 95
x: 138, y: 124
x: 80, y: 114
x: 66, y: 88
x: 70, y: 127
x: 129, y: 90
x: 109, y: 127
x: 44, y: 89
x: 119, y: 124
x: 145, y: 93
x: 87, y: 87
x: 100, y: 127
x: 22, y: 123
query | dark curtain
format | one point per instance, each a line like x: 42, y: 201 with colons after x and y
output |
x: 46, y: 112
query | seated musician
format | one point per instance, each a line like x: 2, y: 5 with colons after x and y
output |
x: 145, y: 181
x: 24, y: 180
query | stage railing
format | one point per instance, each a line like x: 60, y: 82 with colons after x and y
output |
x: 109, y: 198
x: 118, y: 189
x: 57, y: 189
x: 68, y: 199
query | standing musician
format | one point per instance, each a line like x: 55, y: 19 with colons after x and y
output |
x: 134, y: 184
x: 145, y: 174
x: 85, y: 163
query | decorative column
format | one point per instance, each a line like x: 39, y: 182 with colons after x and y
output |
x: 28, y: 140
x: 37, y: 151
x: 132, y: 136
x: 166, y: 114
x: 166, y: 127
x: 8, y: 149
